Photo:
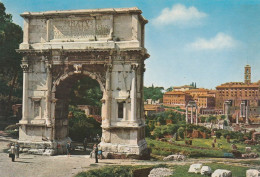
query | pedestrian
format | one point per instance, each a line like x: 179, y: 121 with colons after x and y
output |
x: 12, y: 152
x: 85, y: 143
x: 17, y: 149
x: 68, y: 147
x: 99, y: 152
x: 96, y: 152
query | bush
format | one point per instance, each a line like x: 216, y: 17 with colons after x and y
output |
x: 113, y: 171
x: 218, y: 134
x: 181, y: 132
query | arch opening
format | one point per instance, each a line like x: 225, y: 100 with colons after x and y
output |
x: 77, y: 111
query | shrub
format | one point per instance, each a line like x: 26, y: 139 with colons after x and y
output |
x: 181, y: 132
x: 218, y: 134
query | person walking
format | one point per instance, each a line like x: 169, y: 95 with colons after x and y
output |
x: 68, y: 147
x: 99, y: 152
x: 17, y: 149
x: 85, y: 143
x: 12, y: 152
x: 96, y: 152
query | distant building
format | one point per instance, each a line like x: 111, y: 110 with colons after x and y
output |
x: 150, y: 101
x: 183, y: 88
x: 176, y: 98
x: 240, y: 99
x: 204, y: 98
x: 152, y: 109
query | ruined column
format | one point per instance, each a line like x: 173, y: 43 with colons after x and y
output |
x: 25, y: 67
x: 247, y: 120
x: 191, y: 119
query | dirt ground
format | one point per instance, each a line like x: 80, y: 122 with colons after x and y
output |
x: 62, y: 166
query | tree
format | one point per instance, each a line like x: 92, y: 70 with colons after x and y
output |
x: 10, y: 72
x: 154, y: 93
x: 86, y: 91
x: 169, y: 89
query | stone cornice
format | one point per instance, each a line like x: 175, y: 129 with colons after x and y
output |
x: 92, y: 12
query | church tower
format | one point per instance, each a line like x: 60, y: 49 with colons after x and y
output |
x: 247, y: 74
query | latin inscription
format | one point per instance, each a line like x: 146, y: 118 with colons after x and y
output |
x: 80, y: 28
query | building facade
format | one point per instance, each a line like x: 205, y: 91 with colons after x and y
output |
x: 239, y: 99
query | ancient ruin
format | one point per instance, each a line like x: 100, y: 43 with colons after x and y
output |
x: 58, y: 48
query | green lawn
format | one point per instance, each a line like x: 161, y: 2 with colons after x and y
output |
x: 237, y: 171
x: 199, y: 142
x: 178, y: 170
x: 165, y: 148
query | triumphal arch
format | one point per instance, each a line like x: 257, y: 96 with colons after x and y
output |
x: 60, y: 47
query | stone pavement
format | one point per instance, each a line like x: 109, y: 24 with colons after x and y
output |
x: 62, y: 166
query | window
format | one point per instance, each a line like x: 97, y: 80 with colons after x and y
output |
x: 121, y: 110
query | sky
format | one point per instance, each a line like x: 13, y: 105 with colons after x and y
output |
x: 204, y: 41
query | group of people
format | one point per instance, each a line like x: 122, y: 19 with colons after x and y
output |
x: 14, y: 151
x: 96, y: 150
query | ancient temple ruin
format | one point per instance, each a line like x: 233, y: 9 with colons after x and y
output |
x: 58, y: 48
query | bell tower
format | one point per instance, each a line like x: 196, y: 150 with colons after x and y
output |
x: 247, y: 74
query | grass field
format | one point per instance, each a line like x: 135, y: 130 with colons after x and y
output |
x: 165, y: 148
x: 178, y: 170
x: 237, y: 171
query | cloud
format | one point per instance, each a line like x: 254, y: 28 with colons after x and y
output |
x: 220, y: 41
x: 179, y: 15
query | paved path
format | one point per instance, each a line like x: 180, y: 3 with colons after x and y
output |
x: 63, y: 166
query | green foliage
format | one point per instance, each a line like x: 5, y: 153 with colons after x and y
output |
x: 203, y: 119
x: 225, y: 123
x: 154, y: 93
x: 211, y: 119
x: 112, y: 171
x: 86, y: 91
x: 218, y: 134
x: 10, y: 72
x: 181, y: 132
x: 80, y: 126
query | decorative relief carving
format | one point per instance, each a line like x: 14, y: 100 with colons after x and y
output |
x: 25, y: 67
x: 78, y: 68
x: 134, y: 66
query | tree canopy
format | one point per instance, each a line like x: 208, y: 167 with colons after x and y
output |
x: 153, y: 93
x: 10, y: 72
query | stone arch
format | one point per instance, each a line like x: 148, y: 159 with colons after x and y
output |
x: 114, y: 57
x: 93, y: 76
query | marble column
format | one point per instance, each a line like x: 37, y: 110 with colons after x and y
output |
x: 25, y: 67
x: 48, y: 94
x: 187, y: 114
x: 247, y: 120
x: 106, y: 100
x: 133, y: 93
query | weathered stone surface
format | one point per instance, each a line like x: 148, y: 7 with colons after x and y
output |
x: 205, y: 170
x: 252, y: 173
x: 174, y: 157
x: 156, y: 172
x: 195, y: 168
x: 222, y: 173
x: 106, y: 45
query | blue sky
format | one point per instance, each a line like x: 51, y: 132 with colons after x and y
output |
x: 204, y: 41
